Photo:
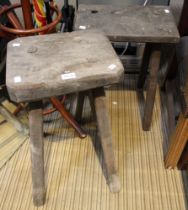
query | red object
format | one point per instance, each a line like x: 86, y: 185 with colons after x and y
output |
x: 26, y: 32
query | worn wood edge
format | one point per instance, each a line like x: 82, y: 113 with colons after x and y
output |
x: 120, y: 38
x: 71, y: 88
x: 114, y: 183
x: 39, y: 196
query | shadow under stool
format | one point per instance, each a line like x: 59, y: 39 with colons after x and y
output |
x: 153, y: 25
x: 40, y: 67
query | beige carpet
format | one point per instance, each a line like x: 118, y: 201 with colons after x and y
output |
x: 74, y: 177
x: 10, y: 139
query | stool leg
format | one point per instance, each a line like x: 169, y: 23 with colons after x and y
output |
x: 91, y: 101
x: 106, y: 138
x: 151, y: 89
x: 57, y: 104
x: 170, y: 105
x: 144, y: 66
x: 37, y: 154
x: 177, y: 144
x: 80, y: 104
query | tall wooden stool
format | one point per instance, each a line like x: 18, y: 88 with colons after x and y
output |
x: 40, y: 67
x: 153, y: 25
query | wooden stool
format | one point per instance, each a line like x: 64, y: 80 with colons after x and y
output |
x: 179, y: 134
x: 153, y: 25
x: 40, y: 67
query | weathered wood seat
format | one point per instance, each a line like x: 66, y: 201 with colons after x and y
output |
x: 152, y: 25
x: 50, y: 65
x: 40, y: 67
x: 131, y: 23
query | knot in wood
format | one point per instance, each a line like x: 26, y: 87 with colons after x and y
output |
x: 32, y: 49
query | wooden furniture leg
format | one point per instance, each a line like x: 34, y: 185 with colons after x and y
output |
x: 105, y: 135
x: 92, y: 104
x: 168, y: 64
x: 27, y: 14
x: 170, y: 105
x: 144, y: 66
x: 13, y: 19
x: 80, y: 104
x: 37, y: 152
x: 67, y: 116
x: 177, y: 144
x: 151, y: 89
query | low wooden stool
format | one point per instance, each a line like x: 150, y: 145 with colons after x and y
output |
x: 40, y: 67
x: 153, y: 25
x: 179, y: 134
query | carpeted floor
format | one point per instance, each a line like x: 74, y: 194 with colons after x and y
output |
x: 10, y: 139
x: 74, y: 167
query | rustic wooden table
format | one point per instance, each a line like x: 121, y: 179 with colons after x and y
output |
x: 40, y: 67
x: 153, y: 25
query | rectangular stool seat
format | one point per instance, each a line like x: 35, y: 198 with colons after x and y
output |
x: 49, y: 65
x: 132, y: 23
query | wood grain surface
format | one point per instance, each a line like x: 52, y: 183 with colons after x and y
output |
x: 131, y: 23
x: 50, y: 65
